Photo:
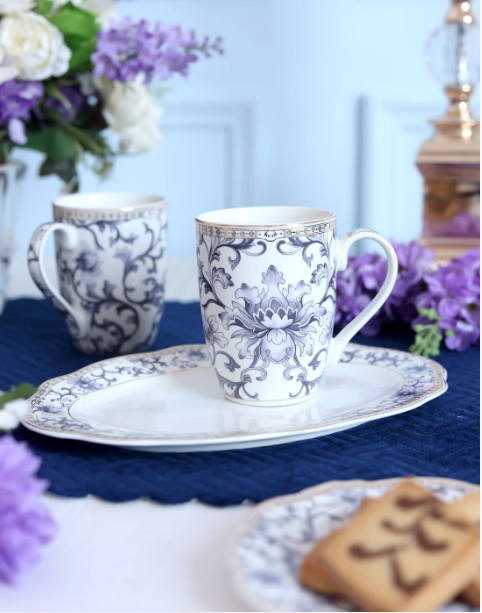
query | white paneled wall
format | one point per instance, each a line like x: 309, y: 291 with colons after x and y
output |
x: 315, y: 102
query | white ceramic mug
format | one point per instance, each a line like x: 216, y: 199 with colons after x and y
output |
x: 111, y: 265
x: 267, y: 280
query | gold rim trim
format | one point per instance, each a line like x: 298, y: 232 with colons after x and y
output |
x: 139, y: 211
x: 269, y: 232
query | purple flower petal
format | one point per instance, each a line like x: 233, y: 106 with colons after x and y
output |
x: 25, y: 523
x: 16, y: 131
x: 127, y: 49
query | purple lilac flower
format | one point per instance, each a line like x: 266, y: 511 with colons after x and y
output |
x: 464, y: 225
x: 17, y: 99
x: 453, y: 291
x: 127, y: 49
x: 364, y: 276
x: 72, y: 104
x: 25, y: 523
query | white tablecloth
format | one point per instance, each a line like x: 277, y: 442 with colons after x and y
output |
x: 136, y: 556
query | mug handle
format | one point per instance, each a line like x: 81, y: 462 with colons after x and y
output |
x: 37, y: 269
x: 341, y: 340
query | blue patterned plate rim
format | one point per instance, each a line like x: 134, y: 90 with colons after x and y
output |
x: 49, y: 408
x: 264, y: 558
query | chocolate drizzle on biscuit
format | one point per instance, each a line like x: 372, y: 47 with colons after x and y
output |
x: 405, y: 502
x: 414, y: 532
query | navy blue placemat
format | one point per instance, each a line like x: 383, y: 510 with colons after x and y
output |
x: 439, y: 439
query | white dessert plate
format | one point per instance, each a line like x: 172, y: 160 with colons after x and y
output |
x: 169, y: 400
x: 265, y: 556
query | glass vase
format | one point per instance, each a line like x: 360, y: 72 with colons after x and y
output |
x: 11, y: 182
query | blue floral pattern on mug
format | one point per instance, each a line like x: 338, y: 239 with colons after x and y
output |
x: 114, y: 280
x: 275, y: 321
x: 268, y: 309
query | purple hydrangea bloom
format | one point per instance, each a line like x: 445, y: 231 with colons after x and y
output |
x: 25, y: 523
x: 127, y: 49
x: 453, y: 291
x: 72, y: 104
x: 17, y: 99
x: 364, y: 276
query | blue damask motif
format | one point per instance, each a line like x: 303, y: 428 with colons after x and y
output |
x: 276, y: 321
x: 114, y: 279
x: 274, y: 324
x: 124, y: 312
x: 305, y: 244
x: 209, y: 276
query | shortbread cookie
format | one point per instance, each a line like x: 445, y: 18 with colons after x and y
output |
x: 471, y: 594
x: 313, y: 573
x: 316, y: 576
x: 469, y: 509
x: 402, y: 552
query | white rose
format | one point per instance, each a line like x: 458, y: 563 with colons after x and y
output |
x: 34, y: 47
x: 10, y: 7
x: 106, y: 10
x: 7, y: 73
x: 132, y: 113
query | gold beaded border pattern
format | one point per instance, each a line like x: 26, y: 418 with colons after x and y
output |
x: 139, y: 212
x: 266, y: 233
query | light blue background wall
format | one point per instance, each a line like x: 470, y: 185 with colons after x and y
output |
x: 316, y: 102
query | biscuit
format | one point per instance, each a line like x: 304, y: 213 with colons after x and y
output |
x: 469, y: 509
x: 314, y: 575
x: 402, y: 552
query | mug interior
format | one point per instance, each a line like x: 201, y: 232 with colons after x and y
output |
x: 113, y: 201
x: 265, y: 216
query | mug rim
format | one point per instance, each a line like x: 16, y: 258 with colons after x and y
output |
x: 316, y: 219
x: 83, y: 206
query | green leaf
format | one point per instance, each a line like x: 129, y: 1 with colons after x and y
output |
x: 79, y: 29
x: 44, y: 7
x: 53, y: 142
x: 65, y: 169
x: 428, y: 337
x: 24, y: 390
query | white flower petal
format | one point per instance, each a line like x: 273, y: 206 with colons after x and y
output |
x: 34, y: 47
x: 18, y: 407
x: 8, y: 420
x: 11, y: 7
x: 106, y: 10
x: 133, y: 113
x: 7, y: 73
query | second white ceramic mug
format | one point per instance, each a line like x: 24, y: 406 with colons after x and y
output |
x: 111, y: 265
x: 267, y: 280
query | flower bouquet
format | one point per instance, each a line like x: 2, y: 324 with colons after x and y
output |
x: 69, y: 70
